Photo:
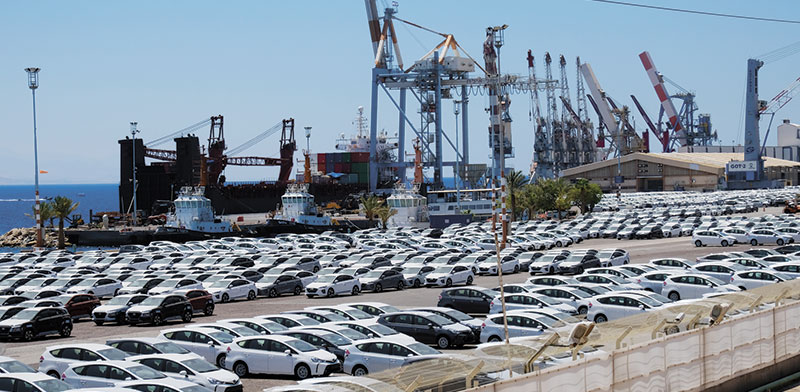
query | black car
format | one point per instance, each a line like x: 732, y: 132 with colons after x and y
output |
x: 467, y: 300
x: 577, y: 263
x: 6, y: 300
x: 160, y: 308
x: 378, y: 280
x: 9, y: 311
x: 275, y: 285
x: 457, y: 317
x: 35, y: 322
x: 429, y: 328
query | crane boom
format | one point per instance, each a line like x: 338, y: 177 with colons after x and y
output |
x: 599, y: 99
x: 782, y: 98
x: 256, y: 139
x: 663, y: 97
x: 662, y: 137
x: 374, y: 24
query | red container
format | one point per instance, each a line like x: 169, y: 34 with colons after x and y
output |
x: 337, y: 167
x: 359, y: 157
x: 321, y: 158
x: 321, y: 166
x: 345, y: 167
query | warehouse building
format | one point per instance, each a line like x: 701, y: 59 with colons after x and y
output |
x: 643, y: 172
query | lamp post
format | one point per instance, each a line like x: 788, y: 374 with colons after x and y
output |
x: 134, y: 131
x: 33, y: 84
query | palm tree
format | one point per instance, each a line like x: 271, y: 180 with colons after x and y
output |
x: 45, y: 212
x: 385, y: 213
x: 62, y: 208
x: 515, y: 180
x: 370, y: 206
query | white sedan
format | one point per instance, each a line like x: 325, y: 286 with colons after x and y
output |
x: 448, y: 275
x: 230, y: 289
x: 686, y: 286
x: 712, y: 238
x: 613, y: 306
x: 748, y: 280
x: 279, y: 355
x: 333, y: 285
x: 769, y: 237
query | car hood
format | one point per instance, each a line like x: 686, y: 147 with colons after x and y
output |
x: 474, y: 323
x: 316, y: 285
x: 160, y: 290
x: 322, y: 354
x: 457, y: 327
x: 437, y: 275
x: 12, y: 322
x: 141, y: 308
x: 221, y: 375
x: 110, y: 308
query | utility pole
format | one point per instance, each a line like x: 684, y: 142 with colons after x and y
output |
x: 33, y: 84
x: 134, y: 131
x: 456, y: 111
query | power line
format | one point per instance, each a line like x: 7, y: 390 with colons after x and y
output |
x: 699, y: 12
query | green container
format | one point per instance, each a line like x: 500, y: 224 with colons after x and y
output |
x: 363, y: 178
x: 345, y: 157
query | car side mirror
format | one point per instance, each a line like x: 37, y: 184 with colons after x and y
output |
x: 710, y: 285
x: 288, y: 352
x: 430, y: 325
x: 641, y: 307
x: 183, y: 373
x: 370, y: 336
x: 210, y: 343
x: 777, y: 280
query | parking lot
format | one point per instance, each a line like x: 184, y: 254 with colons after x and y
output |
x: 86, y: 331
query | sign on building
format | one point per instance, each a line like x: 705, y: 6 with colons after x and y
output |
x: 741, y: 166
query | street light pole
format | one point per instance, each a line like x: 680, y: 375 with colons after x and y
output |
x: 33, y: 84
x: 134, y: 131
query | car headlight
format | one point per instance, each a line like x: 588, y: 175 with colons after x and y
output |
x: 213, y: 381
x: 316, y: 360
x: 16, y: 328
x: 146, y: 313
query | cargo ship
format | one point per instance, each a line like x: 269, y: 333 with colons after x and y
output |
x: 339, y: 177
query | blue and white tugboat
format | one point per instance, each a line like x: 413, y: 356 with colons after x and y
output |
x: 193, y: 218
x: 298, y: 213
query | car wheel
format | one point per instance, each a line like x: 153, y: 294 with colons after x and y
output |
x: 583, y: 310
x: 516, y: 269
x: 674, y: 296
x: 448, y: 283
x: 225, y: 297
x: 355, y: 290
x: 378, y: 288
x: 359, y: 371
x: 315, y: 269
x: 558, y: 244
x: 209, y: 310
x: 442, y: 342
x: 779, y: 242
x: 469, y: 280
x: 251, y: 295
x: 54, y: 374
x: 240, y: 368
x: 28, y: 335
x: 724, y: 243
x: 551, y: 270
x: 221, y: 360
x: 187, y: 316
x: 698, y: 243
x: 494, y: 338
x: 330, y: 293
x: 742, y: 288
x: 600, y: 319
x: 417, y: 283
x: 302, y: 372
x: 157, y: 319
x: 669, y: 234
x: 272, y: 293
x: 754, y: 242
x: 298, y: 290
x: 98, y: 322
x: 309, y: 296
x: 400, y: 285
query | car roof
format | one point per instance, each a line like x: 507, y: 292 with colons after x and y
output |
x: 88, y: 346
x: 280, y: 338
x: 30, y: 377
x: 190, y: 328
x: 143, y: 339
x: 173, y: 357
x: 169, y: 381
x: 122, y: 364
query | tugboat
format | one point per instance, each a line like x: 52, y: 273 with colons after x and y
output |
x: 298, y: 214
x: 411, y: 207
x: 193, y: 218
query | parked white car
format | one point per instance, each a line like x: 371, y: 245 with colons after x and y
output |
x: 611, y: 257
x: 523, y: 301
x: 190, y: 368
x: 613, y: 306
x: 448, y: 275
x: 769, y: 237
x: 721, y: 270
x: 686, y: 286
x: 171, y: 285
x: 279, y: 355
x: 375, y: 355
x: 519, y: 324
x: 55, y: 359
x: 333, y: 285
x: 230, y: 289
x: 509, y: 265
x: 740, y: 235
x: 100, y: 287
x: 205, y: 342
x: 748, y: 280
x: 104, y: 374
x: 712, y: 238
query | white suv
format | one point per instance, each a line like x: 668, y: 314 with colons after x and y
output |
x: 613, y: 306
x: 333, y: 285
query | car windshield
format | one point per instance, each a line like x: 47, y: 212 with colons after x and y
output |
x: 26, y: 314
x: 199, y: 365
x: 300, y: 345
x: 169, y: 283
x: 358, y: 314
x: 325, y: 279
x: 269, y: 279
x: 650, y: 302
x: 170, y: 348
x: 382, y: 330
x: 15, y: 366
x: 579, y: 293
x: 549, y: 322
x: 715, y: 281
x: 244, y: 331
x: 113, y: 354
x: 221, y: 283
x: 118, y: 301
x: 439, y: 319
x: 336, y: 339
x: 274, y: 327
x: 87, y: 283
x: 373, y: 275
x: 352, y: 334
x: 659, y: 297
x: 388, y: 309
x: 152, y: 301
x: 422, y: 349
x: 145, y: 373
x: 460, y: 316
x: 412, y: 270
x: 222, y: 336
x: 52, y: 385
x: 443, y: 269
x: 547, y: 300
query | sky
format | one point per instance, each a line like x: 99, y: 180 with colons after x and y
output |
x: 171, y: 64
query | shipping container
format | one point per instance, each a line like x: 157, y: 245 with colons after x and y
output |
x: 359, y: 157
x: 337, y: 157
x: 337, y: 167
x: 363, y: 178
x: 321, y: 166
x: 329, y: 167
x: 321, y: 157
x: 345, y: 167
x: 346, y: 157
